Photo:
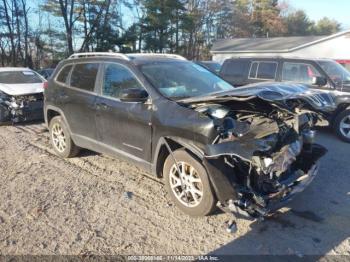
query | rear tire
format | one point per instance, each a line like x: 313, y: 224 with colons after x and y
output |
x: 342, y: 125
x: 190, y: 191
x: 61, y: 139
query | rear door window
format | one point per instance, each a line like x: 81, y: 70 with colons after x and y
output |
x: 267, y: 70
x: 299, y: 72
x: 84, y: 76
x: 116, y: 78
x: 63, y: 75
x: 263, y: 70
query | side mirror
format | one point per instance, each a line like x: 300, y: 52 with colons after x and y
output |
x: 319, y: 81
x: 133, y: 95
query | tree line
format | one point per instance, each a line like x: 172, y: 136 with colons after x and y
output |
x: 38, y: 33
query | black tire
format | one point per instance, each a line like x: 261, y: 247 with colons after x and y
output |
x: 70, y: 149
x: 207, y: 203
x: 338, y: 125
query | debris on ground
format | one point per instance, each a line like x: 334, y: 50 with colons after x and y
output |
x: 128, y: 195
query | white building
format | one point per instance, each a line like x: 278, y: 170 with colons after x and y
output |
x: 335, y: 47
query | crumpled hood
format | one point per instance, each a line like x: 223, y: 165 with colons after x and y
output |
x: 22, y: 89
x: 276, y: 93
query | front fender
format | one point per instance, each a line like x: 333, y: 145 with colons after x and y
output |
x: 183, y: 142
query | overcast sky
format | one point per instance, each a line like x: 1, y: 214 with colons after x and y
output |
x: 316, y: 9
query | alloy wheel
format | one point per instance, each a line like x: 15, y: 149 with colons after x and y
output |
x: 186, y: 186
x: 59, y: 138
x: 345, y: 126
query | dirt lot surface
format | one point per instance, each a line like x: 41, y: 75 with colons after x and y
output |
x: 95, y: 204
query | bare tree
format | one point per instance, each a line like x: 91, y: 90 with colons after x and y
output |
x: 26, y: 31
x: 10, y: 33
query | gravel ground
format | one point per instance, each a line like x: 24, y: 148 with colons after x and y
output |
x: 95, y: 204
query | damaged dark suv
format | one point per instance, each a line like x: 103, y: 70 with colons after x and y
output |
x: 246, y: 150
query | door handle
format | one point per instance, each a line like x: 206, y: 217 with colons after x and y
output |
x: 102, y: 106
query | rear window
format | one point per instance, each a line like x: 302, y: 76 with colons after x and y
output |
x: 84, y: 76
x: 235, y: 68
x: 19, y: 77
x: 63, y: 75
x: 263, y: 70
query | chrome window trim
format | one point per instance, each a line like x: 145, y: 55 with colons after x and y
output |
x: 250, y: 69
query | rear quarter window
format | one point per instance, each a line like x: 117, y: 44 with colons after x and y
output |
x: 84, y: 76
x: 63, y: 74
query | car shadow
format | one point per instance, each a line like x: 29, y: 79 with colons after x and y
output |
x: 86, y: 153
x: 27, y: 123
x: 317, y: 221
x: 33, y: 126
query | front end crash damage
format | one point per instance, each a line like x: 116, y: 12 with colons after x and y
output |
x: 264, y: 152
x: 21, y: 108
x: 257, y: 190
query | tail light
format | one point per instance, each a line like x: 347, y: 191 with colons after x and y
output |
x: 45, y: 85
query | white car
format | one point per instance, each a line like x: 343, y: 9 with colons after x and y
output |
x: 21, y: 95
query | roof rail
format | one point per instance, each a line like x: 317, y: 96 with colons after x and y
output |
x: 175, y: 56
x: 94, y: 54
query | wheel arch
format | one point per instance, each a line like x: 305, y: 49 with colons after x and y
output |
x: 341, y: 108
x: 51, y: 112
x: 162, y: 152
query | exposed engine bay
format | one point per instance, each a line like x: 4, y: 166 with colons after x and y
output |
x: 265, y: 150
x: 21, y: 108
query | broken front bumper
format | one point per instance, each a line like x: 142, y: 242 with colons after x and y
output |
x: 292, y: 188
x: 233, y: 198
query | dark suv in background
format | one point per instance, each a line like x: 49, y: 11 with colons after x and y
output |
x: 321, y: 74
x: 210, y: 65
x: 214, y: 145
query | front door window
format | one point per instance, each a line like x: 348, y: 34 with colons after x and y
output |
x: 117, y: 78
x: 299, y: 72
